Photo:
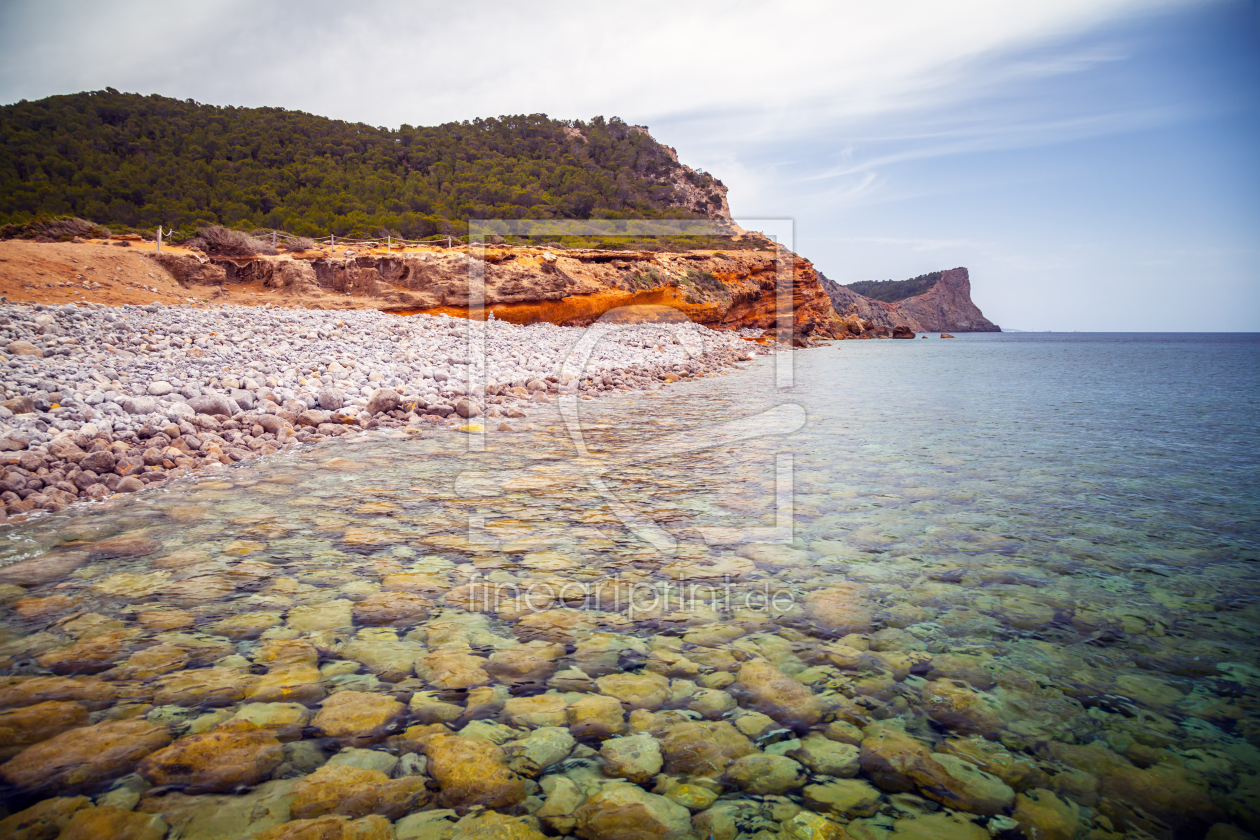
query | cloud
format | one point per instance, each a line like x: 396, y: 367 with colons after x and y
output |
x: 389, y: 63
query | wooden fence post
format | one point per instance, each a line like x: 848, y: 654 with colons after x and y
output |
x: 159, y: 239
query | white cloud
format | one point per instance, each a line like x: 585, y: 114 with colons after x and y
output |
x: 389, y: 63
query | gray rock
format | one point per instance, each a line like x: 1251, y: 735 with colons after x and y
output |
x: 411, y: 764
x: 270, y: 422
x: 383, y: 399
x: 636, y: 758
x: 214, y: 404
x: 98, y: 462
x: 543, y: 748
x: 181, y: 412
x: 314, y: 417
x: 365, y: 760
x: 160, y: 388
x: 331, y: 399
x: 129, y: 484
x: 14, y: 441
x: 139, y: 405
x: 63, y: 448
x: 244, y: 399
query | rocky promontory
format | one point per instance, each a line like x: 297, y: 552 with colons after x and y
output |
x: 946, y: 307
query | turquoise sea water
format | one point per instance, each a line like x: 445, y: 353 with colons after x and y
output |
x: 1038, y: 552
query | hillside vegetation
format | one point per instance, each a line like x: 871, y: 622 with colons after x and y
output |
x: 134, y: 161
x: 891, y: 291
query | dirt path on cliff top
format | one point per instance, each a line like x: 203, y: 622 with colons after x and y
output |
x: 101, y: 272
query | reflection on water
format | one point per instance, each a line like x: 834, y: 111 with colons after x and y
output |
x: 1019, y: 601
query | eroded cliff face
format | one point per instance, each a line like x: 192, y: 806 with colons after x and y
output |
x: 731, y: 290
x: 946, y: 307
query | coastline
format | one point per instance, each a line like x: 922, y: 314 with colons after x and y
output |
x: 101, y: 400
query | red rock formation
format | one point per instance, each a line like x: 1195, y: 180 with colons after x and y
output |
x: 946, y: 306
x: 724, y: 290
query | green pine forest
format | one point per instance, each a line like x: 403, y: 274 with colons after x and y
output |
x: 891, y: 291
x: 132, y: 161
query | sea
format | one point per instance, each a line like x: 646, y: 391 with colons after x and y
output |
x: 1036, y: 551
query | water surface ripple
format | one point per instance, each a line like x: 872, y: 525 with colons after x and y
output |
x: 1017, y: 599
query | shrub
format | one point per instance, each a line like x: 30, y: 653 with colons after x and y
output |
x: 219, y: 241
x: 55, y: 229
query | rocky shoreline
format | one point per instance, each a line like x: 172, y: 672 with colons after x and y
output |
x: 101, y: 400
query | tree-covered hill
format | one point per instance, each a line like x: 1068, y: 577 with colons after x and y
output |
x: 138, y: 161
x: 891, y: 291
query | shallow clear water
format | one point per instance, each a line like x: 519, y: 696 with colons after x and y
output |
x: 1036, y: 552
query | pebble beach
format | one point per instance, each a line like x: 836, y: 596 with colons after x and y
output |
x: 100, y: 400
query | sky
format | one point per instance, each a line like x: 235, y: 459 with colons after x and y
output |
x: 1094, y: 163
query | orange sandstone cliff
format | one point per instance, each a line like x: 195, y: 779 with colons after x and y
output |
x: 724, y: 290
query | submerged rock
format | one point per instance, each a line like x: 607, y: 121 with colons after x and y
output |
x: 539, y: 710
x: 703, y: 749
x: 636, y: 691
x: 84, y: 758
x: 830, y: 758
x: 214, y: 762
x: 104, y: 821
x: 961, y: 708
x: 810, y: 826
x: 840, y: 609
x: 532, y: 663
x: 896, y: 762
x: 774, y: 693
x: 472, y: 772
x: 215, y: 816
x: 1018, y: 771
x: 332, y: 828
x: 329, y: 615
x: 90, y: 655
x: 452, y: 669
x: 763, y: 774
x: 285, y: 721
x: 358, y: 718
x: 845, y: 798
x: 636, y: 758
x: 93, y: 693
x: 383, y: 654
x: 23, y: 727
x: 628, y: 812
x: 357, y: 792
x: 541, y: 749
x: 946, y: 826
x: 1043, y: 816
x: 203, y: 687
x: 596, y: 716
x: 1165, y: 791
x: 46, y: 819
x: 492, y: 826
x: 392, y: 608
